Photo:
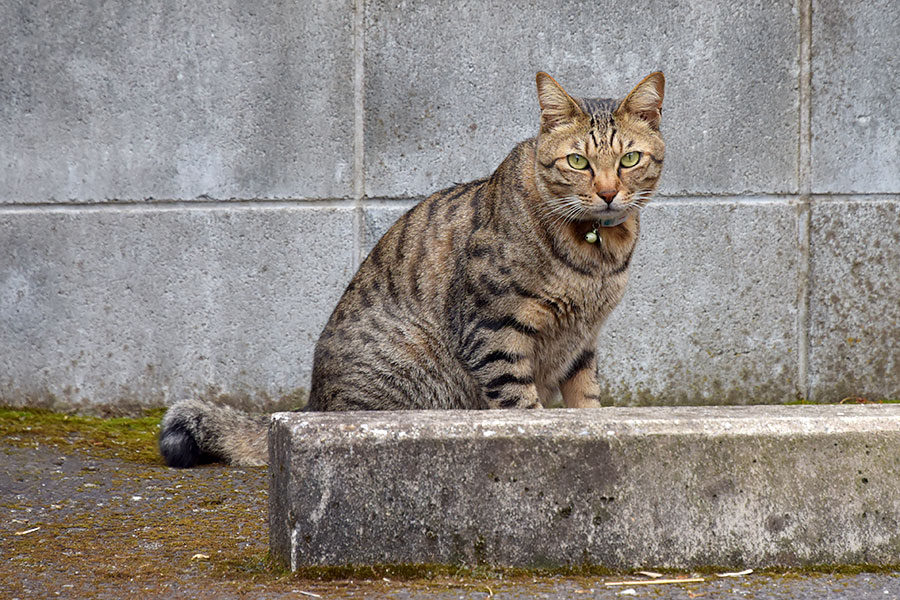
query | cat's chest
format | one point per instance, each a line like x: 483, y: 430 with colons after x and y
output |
x: 577, y: 306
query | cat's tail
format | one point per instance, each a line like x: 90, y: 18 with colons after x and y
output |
x: 195, y: 431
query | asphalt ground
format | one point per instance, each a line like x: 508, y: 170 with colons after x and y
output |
x: 87, y: 510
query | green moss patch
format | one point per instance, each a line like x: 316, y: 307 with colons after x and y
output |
x: 131, y: 439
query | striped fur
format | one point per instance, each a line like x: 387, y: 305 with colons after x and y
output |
x: 486, y: 294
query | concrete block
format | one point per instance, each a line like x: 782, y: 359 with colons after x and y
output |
x: 138, y: 307
x: 855, y: 139
x: 669, y: 487
x: 447, y: 107
x: 709, y: 315
x: 854, y: 306
x: 125, y: 100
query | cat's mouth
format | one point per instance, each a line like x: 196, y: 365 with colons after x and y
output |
x: 575, y: 209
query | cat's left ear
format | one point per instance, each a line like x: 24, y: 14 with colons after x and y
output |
x: 557, y: 107
x: 645, y: 100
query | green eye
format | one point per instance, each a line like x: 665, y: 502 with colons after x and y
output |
x: 577, y: 161
x: 630, y: 159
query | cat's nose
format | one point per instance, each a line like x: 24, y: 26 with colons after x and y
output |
x: 607, y: 195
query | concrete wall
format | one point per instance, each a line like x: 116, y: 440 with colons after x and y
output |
x: 185, y: 189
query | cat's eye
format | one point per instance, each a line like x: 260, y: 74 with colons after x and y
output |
x: 630, y: 159
x: 577, y: 161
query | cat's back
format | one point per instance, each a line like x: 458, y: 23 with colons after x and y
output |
x: 390, y: 328
x: 416, y: 256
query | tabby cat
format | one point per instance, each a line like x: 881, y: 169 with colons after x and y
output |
x: 489, y: 294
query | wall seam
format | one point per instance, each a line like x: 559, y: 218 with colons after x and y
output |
x: 359, y: 151
x: 804, y: 174
x: 408, y: 201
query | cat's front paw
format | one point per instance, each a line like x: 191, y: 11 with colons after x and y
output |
x: 529, y: 400
x: 584, y: 402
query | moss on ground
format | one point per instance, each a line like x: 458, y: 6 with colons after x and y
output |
x: 131, y: 439
x: 847, y: 400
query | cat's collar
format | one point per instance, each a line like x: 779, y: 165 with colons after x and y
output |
x: 593, y: 236
x: 611, y: 222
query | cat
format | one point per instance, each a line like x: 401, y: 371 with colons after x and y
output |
x: 488, y: 294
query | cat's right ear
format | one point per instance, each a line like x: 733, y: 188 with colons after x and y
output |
x: 557, y: 107
x: 645, y: 100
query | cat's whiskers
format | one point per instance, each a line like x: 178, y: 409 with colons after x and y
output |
x: 562, y: 211
x: 563, y: 207
x: 639, y: 200
x: 557, y: 205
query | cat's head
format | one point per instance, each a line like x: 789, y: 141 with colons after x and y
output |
x: 598, y: 159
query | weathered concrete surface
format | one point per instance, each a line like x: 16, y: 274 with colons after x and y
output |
x: 131, y: 101
x: 665, y: 487
x: 855, y: 137
x: 137, y: 306
x: 854, y: 301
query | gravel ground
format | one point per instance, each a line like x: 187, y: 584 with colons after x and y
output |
x: 82, y: 517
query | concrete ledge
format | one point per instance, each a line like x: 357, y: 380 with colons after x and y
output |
x: 622, y: 487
